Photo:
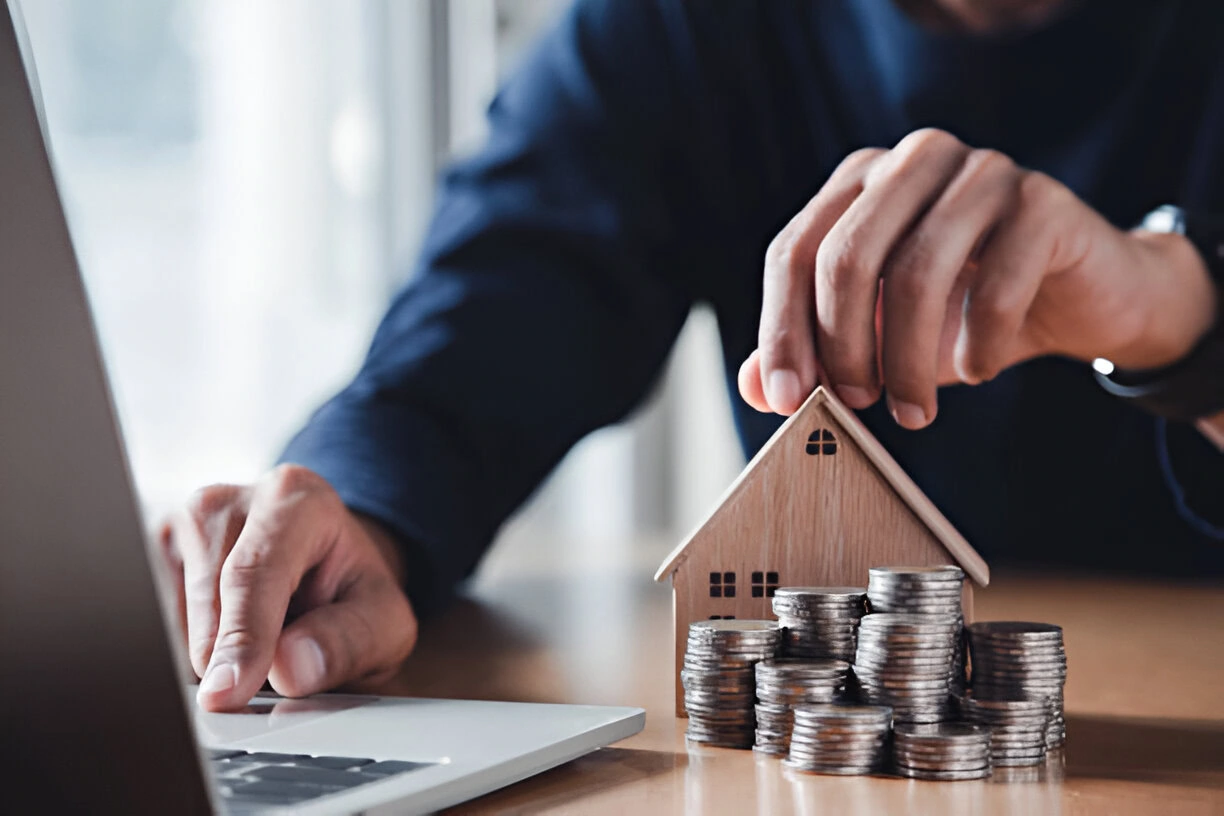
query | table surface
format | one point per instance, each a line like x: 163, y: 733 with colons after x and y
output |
x: 582, y: 622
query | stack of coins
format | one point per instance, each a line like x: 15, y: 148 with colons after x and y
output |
x: 1021, y: 661
x: 904, y: 661
x: 784, y: 683
x: 718, y: 679
x: 942, y: 752
x: 820, y: 621
x: 1017, y: 728
x: 839, y: 739
x: 922, y: 591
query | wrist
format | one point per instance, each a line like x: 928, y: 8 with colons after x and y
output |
x: 1181, y: 304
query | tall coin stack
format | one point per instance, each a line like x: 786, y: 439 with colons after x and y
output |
x: 718, y: 678
x: 839, y: 739
x: 820, y: 621
x: 786, y: 682
x: 1017, y: 728
x: 922, y: 591
x: 1021, y: 661
x: 904, y: 661
x: 942, y: 751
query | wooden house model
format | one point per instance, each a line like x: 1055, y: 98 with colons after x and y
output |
x: 820, y: 504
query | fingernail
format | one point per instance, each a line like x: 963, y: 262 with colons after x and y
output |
x: 784, y: 390
x: 908, y: 415
x: 220, y: 678
x: 306, y: 664
x: 854, y: 396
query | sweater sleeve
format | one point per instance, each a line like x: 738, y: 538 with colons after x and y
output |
x: 545, y: 301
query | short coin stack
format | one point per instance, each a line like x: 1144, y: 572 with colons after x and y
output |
x: 839, y: 739
x: 1017, y: 728
x: 942, y: 751
x: 1021, y: 661
x: 786, y: 682
x: 820, y: 621
x: 903, y: 661
x: 718, y: 678
x: 922, y: 591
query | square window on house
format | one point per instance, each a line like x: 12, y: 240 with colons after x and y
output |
x: 715, y: 578
x: 728, y: 577
x: 729, y: 591
x: 716, y: 591
x: 764, y: 584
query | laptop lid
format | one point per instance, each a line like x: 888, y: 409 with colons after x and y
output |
x: 94, y: 716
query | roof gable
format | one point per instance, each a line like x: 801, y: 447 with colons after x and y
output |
x: 908, y: 492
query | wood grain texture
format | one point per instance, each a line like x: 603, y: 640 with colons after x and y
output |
x: 815, y: 520
x: 822, y: 409
x: 562, y: 620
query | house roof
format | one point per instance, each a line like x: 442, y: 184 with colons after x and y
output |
x: 960, y: 549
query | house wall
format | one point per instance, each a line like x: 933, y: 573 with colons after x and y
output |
x: 815, y: 520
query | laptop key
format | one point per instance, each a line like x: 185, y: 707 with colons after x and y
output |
x: 391, y: 766
x: 307, y: 776
x: 269, y: 758
x: 335, y: 763
x: 273, y: 792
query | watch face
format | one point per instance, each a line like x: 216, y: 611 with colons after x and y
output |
x: 1165, y: 219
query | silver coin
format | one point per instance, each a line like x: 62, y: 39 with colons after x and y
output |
x: 944, y: 776
x: 923, y: 573
x: 843, y: 593
x: 971, y: 764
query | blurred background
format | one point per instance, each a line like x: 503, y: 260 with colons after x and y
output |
x: 247, y: 182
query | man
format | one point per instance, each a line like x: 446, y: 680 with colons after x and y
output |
x: 648, y: 156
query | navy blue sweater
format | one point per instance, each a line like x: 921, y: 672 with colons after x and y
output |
x: 640, y: 161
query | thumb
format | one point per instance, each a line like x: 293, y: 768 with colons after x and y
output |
x: 363, y: 635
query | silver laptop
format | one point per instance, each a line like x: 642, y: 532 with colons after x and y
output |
x: 95, y: 716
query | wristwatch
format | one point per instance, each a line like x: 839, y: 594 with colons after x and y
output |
x: 1193, y: 387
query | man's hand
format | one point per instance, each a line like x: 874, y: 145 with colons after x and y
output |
x: 279, y: 581
x: 935, y: 263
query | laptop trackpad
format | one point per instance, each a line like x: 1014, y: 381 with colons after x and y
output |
x: 268, y: 713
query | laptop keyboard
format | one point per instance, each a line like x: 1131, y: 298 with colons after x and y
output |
x: 252, y: 781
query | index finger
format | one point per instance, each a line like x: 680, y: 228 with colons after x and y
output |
x: 284, y: 536
x: 788, y: 365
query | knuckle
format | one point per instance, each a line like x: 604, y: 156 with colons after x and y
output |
x: 929, y: 140
x: 989, y: 162
x: 907, y: 271
x: 288, y: 480
x: 1040, y: 191
x: 861, y: 158
x: 238, y: 640
x: 910, y: 281
x: 780, y: 254
x: 912, y: 153
x: 994, y: 310
x: 210, y: 501
x: 840, y: 265
x: 247, y: 565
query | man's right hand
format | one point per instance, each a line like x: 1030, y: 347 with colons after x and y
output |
x: 279, y: 581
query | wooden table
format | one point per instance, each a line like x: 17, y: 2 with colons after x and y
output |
x: 582, y: 622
